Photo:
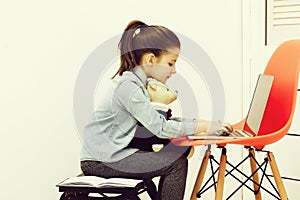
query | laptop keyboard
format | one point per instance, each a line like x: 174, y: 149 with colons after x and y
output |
x: 238, y: 133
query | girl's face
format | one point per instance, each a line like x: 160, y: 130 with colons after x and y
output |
x: 164, y: 65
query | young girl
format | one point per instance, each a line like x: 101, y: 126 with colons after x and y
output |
x: 146, y: 52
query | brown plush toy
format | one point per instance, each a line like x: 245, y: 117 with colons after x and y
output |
x: 160, y: 96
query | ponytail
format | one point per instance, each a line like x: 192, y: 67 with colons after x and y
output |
x: 138, y: 38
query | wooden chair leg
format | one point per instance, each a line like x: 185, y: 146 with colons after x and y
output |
x: 255, y: 176
x: 277, y: 177
x: 221, y: 176
x: 200, y: 176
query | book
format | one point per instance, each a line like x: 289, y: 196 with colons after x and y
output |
x: 98, y: 182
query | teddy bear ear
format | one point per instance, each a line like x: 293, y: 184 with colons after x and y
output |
x: 152, y: 85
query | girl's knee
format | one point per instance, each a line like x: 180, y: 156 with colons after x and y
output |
x: 181, y: 163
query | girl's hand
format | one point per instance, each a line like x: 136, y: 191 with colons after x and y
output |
x: 227, y: 128
x: 212, y: 126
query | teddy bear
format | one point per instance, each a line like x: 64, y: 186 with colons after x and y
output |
x: 160, y: 96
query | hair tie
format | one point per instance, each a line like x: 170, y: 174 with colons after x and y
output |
x: 137, y: 31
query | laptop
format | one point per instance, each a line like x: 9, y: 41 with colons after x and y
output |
x: 255, y: 113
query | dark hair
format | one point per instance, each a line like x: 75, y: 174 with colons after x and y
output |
x: 139, y: 38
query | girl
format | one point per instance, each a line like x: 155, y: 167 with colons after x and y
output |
x: 146, y: 52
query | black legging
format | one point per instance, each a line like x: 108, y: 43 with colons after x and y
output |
x: 170, y: 165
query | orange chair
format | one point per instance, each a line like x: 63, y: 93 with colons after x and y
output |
x: 284, y: 65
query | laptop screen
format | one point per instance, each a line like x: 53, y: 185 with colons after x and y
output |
x: 258, y: 103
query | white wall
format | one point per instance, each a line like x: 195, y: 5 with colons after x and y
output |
x: 43, y: 45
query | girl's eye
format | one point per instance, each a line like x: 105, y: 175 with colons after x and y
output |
x: 170, y: 64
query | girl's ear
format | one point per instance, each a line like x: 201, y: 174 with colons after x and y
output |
x: 150, y: 58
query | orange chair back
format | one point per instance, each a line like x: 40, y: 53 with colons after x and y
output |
x: 284, y: 65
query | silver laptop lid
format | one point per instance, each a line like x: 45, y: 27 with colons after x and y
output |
x: 258, y: 103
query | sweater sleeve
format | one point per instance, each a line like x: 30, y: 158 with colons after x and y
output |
x: 134, y: 100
